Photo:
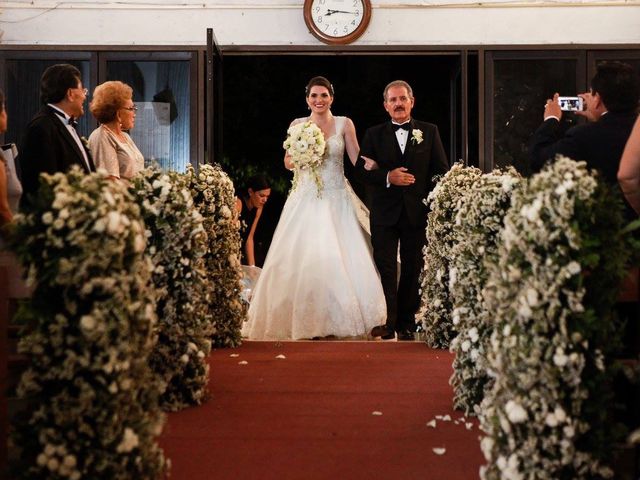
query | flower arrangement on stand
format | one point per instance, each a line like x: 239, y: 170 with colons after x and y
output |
x: 435, y: 313
x: 551, y: 293
x: 305, y: 144
x: 91, y: 400
x: 213, y: 195
x: 177, y: 244
x: 478, y: 222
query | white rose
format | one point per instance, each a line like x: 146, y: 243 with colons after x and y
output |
x: 560, y: 414
x: 515, y: 412
x: 524, y: 311
x: 473, y: 334
x: 559, y: 358
x: 41, y: 460
x: 87, y: 322
x: 69, y: 461
x: 184, y: 358
x: 47, y: 218
x: 466, y: 345
x: 53, y: 464
x: 551, y: 420
x: 574, y: 268
x: 129, y: 441
x: 486, y: 445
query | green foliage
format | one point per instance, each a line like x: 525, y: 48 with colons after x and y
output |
x: 177, y: 244
x: 91, y: 399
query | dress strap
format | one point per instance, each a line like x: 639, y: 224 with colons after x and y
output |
x: 340, y: 121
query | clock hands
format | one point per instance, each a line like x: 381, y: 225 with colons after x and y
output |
x: 331, y: 12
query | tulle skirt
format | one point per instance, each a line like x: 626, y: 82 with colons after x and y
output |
x: 319, y: 278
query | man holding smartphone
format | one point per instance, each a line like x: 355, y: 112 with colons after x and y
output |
x: 611, y: 107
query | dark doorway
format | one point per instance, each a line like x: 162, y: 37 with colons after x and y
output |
x: 264, y: 93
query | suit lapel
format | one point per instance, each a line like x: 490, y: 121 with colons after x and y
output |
x: 71, y: 142
x: 395, y: 154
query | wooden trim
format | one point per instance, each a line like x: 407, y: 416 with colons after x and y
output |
x: 464, y: 104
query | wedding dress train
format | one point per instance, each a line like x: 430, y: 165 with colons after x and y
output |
x: 319, y: 278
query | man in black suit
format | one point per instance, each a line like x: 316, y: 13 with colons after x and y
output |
x: 611, y: 108
x: 408, y: 154
x: 51, y: 143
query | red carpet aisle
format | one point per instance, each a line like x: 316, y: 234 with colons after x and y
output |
x: 309, y: 415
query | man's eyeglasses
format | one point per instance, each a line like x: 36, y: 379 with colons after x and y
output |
x: 131, y: 109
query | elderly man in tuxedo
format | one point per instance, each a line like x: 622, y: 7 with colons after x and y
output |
x: 51, y: 143
x: 408, y: 154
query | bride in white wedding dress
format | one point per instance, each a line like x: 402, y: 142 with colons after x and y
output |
x: 318, y: 279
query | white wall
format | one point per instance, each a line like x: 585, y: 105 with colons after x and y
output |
x: 281, y: 23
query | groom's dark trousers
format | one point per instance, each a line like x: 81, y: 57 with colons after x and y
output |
x: 398, y: 213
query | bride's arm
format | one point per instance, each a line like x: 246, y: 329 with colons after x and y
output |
x: 351, y: 141
x: 352, y: 147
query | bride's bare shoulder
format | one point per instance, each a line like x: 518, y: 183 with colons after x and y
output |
x: 297, y: 121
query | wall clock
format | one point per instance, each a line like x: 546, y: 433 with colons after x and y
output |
x: 337, y: 22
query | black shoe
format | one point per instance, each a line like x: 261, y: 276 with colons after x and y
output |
x: 380, y: 331
x: 406, y: 336
x: 388, y: 336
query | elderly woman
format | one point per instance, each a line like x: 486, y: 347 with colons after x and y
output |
x: 111, y: 147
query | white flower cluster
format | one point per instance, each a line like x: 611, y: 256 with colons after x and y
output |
x: 435, y: 313
x: 544, y: 351
x: 177, y: 244
x: 89, y: 331
x: 476, y: 227
x: 306, y: 145
x: 214, y: 196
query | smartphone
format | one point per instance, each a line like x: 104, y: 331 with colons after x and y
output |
x: 570, y: 104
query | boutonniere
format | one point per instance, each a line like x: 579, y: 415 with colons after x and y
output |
x: 416, y: 136
x: 85, y: 142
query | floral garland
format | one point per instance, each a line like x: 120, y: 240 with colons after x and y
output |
x: 551, y: 295
x: 435, y: 311
x: 306, y: 145
x: 91, y: 400
x: 478, y: 222
x: 213, y: 195
x: 177, y: 245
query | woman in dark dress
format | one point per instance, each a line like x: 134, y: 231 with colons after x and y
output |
x: 250, y: 205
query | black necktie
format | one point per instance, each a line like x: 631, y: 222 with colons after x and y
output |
x: 404, y: 126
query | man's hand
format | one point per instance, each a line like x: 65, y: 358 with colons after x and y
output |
x: 552, y: 108
x: 369, y: 163
x: 590, y: 112
x: 399, y: 177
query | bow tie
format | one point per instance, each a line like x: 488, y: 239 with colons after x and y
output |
x: 72, y: 121
x: 405, y: 126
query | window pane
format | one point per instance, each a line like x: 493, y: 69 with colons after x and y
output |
x: 161, y: 91
x: 23, y: 94
x: 521, y: 89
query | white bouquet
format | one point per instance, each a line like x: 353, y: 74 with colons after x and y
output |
x: 305, y: 144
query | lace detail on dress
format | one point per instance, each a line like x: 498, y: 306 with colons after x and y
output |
x: 332, y: 169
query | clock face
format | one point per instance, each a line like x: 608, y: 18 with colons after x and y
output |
x: 337, y: 21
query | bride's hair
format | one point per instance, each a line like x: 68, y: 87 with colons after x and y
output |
x: 319, y: 82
